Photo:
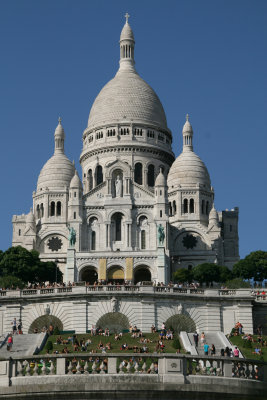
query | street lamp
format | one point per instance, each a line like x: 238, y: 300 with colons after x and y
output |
x: 56, y: 261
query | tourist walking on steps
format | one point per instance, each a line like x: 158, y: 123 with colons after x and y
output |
x: 206, y: 349
x: 14, y: 326
x: 9, y: 342
x: 195, y: 336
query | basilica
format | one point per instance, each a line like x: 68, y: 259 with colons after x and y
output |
x: 136, y: 213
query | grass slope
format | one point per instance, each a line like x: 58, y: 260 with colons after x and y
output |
x: 115, y: 345
x: 247, y: 352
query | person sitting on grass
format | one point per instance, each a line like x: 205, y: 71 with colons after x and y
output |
x: 257, y: 351
x: 169, y: 335
x: 140, y: 334
x: 162, y: 335
x: 65, y: 350
x: 124, y: 346
x: 108, y: 346
x: 106, y: 333
x: 134, y: 335
x: 100, y: 345
x: 153, y: 329
x: 116, y: 337
x: 59, y: 340
x: 75, y: 347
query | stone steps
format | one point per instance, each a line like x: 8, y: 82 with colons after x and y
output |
x: 23, y: 345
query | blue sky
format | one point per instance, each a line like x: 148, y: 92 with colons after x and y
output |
x: 205, y: 58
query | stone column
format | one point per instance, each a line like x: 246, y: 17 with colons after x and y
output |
x: 70, y: 269
x: 129, y: 269
x: 102, y: 269
x: 108, y: 226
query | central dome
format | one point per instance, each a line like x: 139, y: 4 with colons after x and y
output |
x: 127, y: 97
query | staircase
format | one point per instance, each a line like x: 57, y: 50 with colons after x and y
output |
x: 23, y: 345
x: 211, y: 338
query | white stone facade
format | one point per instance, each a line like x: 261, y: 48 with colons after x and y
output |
x: 131, y: 184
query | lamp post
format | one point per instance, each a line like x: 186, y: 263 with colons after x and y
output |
x: 56, y: 261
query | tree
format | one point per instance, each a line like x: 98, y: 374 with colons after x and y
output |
x: 237, y: 283
x: 26, y: 265
x: 254, y: 265
x: 183, y: 275
x: 225, y: 273
x: 11, y: 282
x: 207, y: 273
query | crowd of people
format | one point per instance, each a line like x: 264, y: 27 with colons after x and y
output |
x: 143, y: 343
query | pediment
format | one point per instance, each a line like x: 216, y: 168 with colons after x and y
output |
x: 29, y: 232
x: 118, y: 164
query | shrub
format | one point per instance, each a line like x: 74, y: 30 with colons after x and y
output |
x: 247, y: 344
x: 176, y: 344
x: 56, y: 331
x: 49, y: 346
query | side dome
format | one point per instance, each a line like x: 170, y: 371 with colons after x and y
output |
x: 188, y: 169
x: 58, y: 170
x: 56, y: 173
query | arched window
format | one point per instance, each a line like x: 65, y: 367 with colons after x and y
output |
x: 138, y: 173
x: 191, y: 206
x: 170, y: 208
x: 203, y: 207
x: 19, y: 232
x: 59, y: 208
x: 38, y: 211
x: 42, y: 210
x: 151, y: 175
x: 117, y: 220
x: 93, y: 241
x: 52, y: 209
x: 207, y: 208
x: 185, y: 206
x: 174, y: 207
x: 143, y: 240
x: 90, y: 179
x: 99, y: 175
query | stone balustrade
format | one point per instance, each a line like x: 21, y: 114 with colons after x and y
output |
x: 130, y: 289
x: 185, y: 365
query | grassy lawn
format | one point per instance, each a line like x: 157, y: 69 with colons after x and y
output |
x: 115, y: 345
x: 247, y: 352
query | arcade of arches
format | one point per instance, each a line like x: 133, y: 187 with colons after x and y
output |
x: 115, y: 274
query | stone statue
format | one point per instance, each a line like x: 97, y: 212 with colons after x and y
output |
x: 161, y: 234
x: 118, y: 186
x: 72, y: 236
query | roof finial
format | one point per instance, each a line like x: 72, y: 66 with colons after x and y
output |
x: 187, y: 117
x: 127, y: 16
x: 59, y: 120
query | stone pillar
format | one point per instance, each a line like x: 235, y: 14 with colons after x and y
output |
x: 161, y: 264
x: 129, y: 269
x: 102, y: 269
x: 145, y: 177
x: 12, y: 311
x: 70, y: 268
x: 213, y: 315
x: 108, y: 235
x: 148, y: 315
x: 80, y: 323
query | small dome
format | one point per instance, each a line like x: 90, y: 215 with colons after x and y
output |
x: 188, y: 169
x: 56, y: 173
x: 160, y: 180
x: 76, y: 182
x: 187, y: 127
x: 59, y: 131
x: 127, y: 33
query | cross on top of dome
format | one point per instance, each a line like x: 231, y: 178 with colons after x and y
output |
x: 127, y: 16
